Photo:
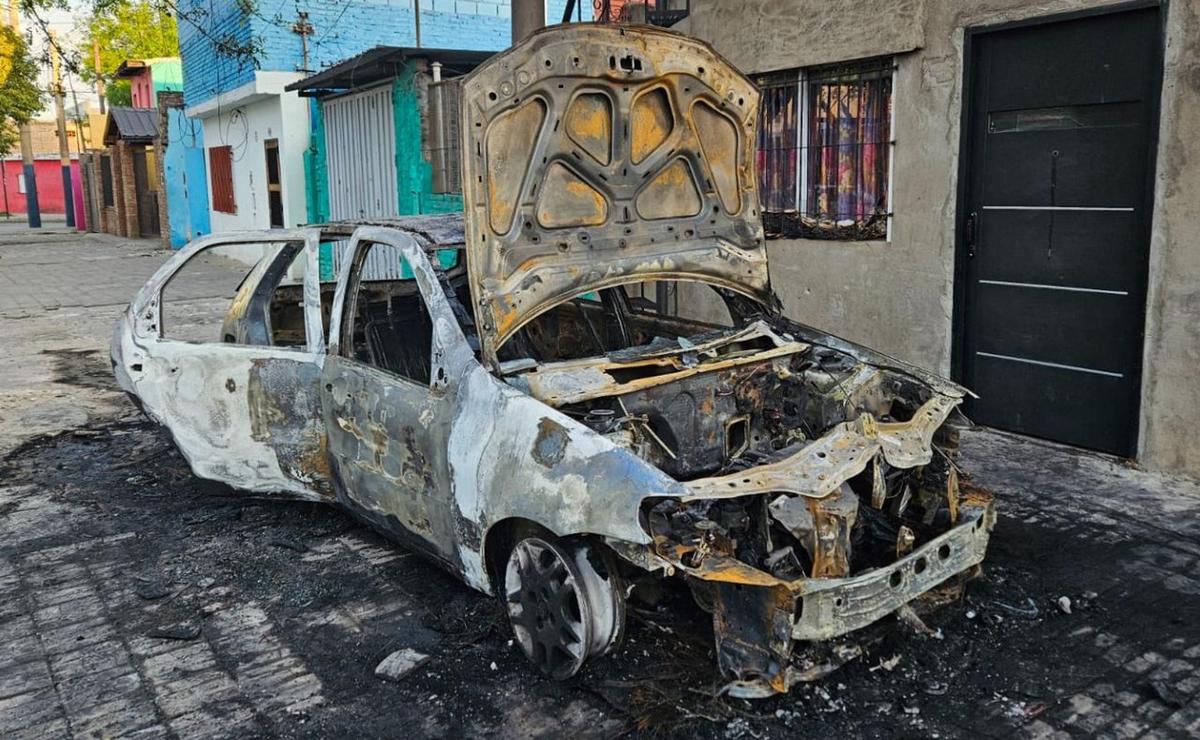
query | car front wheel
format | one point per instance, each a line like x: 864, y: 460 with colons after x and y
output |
x: 564, y: 602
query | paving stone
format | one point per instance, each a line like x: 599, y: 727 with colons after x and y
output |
x: 25, y: 677
x: 1152, y: 711
x: 114, y: 719
x: 191, y: 658
x: 88, y: 692
x: 193, y: 696
x: 1127, y: 729
x: 30, y: 709
x: 54, y: 728
x: 1039, y: 730
x: 77, y: 635
x: 1144, y: 662
x: 221, y: 720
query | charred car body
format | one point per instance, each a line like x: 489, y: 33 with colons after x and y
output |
x: 521, y: 402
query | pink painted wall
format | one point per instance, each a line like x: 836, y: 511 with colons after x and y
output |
x: 49, y: 182
x: 142, y: 89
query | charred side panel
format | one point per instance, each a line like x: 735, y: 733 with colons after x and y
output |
x: 511, y: 456
x: 285, y: 411
x: 388, y: 437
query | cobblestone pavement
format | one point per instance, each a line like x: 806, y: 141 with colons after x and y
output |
x: 139, y: 601
x: 60, y: 294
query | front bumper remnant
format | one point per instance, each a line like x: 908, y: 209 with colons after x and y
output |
x: 756, y: 616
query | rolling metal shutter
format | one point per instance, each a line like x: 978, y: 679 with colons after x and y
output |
x: 360, y: 146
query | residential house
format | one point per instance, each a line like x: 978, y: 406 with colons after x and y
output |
x: 182, y: 185
x: 183, y: 176
x: 386, y: 138
x: 148, y: 77
x: 257, y: 132
x: 1004, y: 191
x: 124, y: 177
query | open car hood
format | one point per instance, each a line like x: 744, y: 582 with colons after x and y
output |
x: 597, y: 155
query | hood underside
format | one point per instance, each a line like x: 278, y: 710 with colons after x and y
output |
x: 596, y: 156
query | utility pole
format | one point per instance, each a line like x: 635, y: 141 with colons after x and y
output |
x: 417, y: 21
x: 28, y: 173
x: 60, y: 115
x: 304, y: 29
x: 12, y: 21
x: 99, y: 73
x: 527, y: 17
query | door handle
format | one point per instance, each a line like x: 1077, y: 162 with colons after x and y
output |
x: 969, y: 233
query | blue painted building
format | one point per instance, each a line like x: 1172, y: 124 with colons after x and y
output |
x: 255, y: 132
x: 185, y: 179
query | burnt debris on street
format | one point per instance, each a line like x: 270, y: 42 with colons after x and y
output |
x: 142, y: 601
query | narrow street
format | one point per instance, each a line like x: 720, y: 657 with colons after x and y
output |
x: 137, y: 600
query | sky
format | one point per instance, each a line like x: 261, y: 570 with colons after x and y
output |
x: 63, y: 22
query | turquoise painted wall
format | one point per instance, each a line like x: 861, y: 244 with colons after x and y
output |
x: 166, y: 74
x: 316, y: 173
x: 316, y: 185
x: 414, y: 175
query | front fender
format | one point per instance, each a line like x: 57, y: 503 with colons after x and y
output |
x: 514, y: 456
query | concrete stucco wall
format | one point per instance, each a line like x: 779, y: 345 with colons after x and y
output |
x: 1171, y: 383
x: 898, y: 296
x: 767, y: 35
x: 284, y: 117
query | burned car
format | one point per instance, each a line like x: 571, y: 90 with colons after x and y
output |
x: 584, y: 380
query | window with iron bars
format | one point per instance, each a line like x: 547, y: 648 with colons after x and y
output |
x: 657, y: 12
x: 825, y: 145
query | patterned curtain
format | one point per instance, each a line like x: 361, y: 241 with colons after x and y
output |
x: 848, y: 148
x: 778, y: 132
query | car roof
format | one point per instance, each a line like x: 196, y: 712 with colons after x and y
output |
x: 435, y: 231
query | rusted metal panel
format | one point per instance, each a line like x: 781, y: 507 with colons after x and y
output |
x: 595, y: 156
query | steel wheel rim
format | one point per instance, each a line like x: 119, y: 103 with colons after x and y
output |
x: 547, y: 607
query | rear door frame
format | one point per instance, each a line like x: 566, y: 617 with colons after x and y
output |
x: 277, y: 448
x: 964, y: 183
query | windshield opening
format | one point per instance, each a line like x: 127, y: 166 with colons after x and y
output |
x: 636, y: 314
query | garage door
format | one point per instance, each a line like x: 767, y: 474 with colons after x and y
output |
x: 360, y: 155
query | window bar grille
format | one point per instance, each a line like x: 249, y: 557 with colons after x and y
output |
x: 826, y: 148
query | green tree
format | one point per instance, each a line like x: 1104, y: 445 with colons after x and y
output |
x: 20, y: 97
x: 126, y: 29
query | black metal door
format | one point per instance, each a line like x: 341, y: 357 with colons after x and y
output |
x: 1053, y: 254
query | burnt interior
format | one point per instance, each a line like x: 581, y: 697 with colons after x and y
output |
x: 733, y: 419
x: 712, y: 422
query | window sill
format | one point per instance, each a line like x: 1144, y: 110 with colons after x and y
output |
x: 794, y: 226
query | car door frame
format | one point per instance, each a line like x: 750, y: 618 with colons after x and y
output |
x: 244, y: 415
x: 364, y: 486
